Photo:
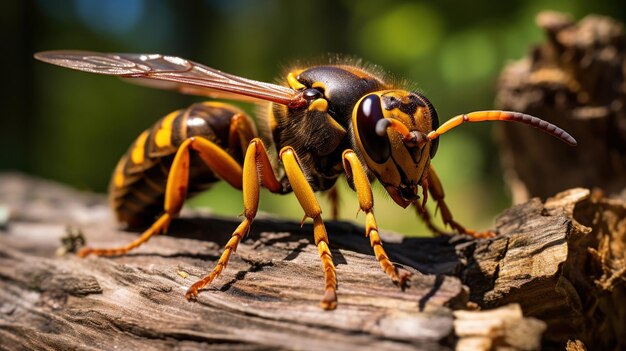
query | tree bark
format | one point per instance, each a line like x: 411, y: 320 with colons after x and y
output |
x: 561, y: 261
x: 577, y: 80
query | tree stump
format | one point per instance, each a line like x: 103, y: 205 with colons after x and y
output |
x: 577, y: 80
x: 561, y: 261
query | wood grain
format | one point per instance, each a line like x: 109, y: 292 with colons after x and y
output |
x: 268, y: 296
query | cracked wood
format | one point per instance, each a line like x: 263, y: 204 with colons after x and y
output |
x: 557, y: 259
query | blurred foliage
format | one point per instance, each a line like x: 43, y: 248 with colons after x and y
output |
x: 73, y: 127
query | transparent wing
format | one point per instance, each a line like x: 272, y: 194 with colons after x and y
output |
x: 173, y: 73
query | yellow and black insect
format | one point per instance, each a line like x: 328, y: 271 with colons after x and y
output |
x: 326, y: 120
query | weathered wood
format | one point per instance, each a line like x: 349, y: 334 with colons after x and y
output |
x: 267, y: 298
x: 575, y: 79
x: 501, y: 328
x: 563, y: 261
x: 559, y: 260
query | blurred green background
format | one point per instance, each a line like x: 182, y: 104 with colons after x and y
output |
x: 72, y: 127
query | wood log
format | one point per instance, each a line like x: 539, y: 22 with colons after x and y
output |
x: 577, y: 80
x: 561, y: 261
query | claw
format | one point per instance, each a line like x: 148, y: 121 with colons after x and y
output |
x: 329, y: 302
x: 192, y: 293
x: 401, y: 278
x: 84, y: 252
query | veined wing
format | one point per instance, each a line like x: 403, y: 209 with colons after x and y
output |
x: 173, y: 73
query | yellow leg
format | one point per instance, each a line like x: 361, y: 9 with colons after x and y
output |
x: 354, y: 171
x: 436, y: 190
x: 256, y: 167
x: 241, y: 132
x: 312, y: 209
x: 216, y: 159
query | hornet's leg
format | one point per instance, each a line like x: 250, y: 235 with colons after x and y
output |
x: 428, y: 220
x: 240, y: 133
x: 218, y: 160
x: 436, y: 190
x: 422, y: 211
x: 355, y: 173
x: 256, y: 169
x: 312, y: 209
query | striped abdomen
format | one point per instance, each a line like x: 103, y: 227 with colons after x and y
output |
x: 137, y: 188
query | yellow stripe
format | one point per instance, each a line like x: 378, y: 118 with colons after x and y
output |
x: 319, y: 85
x: 272, y: 119
x: 419, y: 117
x: 319, y: 105
x: 163, y: 136
x: 118, y: 175
x: 137, y: 153
x: 293, y: 82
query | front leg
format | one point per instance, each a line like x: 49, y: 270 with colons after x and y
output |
x: 355, y: 173
x: 436, y: 190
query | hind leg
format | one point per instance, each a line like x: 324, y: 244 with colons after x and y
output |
x: 241, y: 131
x: 218, y: 160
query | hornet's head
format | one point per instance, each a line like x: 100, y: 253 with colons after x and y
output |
x: 391, y: 130
x: 396, y: 133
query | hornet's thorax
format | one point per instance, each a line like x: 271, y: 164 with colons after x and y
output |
x: 345, y: 107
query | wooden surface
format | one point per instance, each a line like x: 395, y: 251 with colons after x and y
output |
x: 559, y: 260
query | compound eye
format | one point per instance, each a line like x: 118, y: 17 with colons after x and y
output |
x: 369, y: 112
x: 434, y: 123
